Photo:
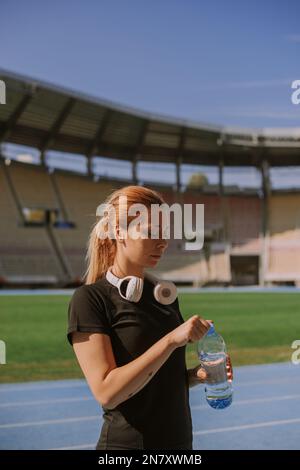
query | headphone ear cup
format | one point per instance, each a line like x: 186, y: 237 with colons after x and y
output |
x: 134, y: 289
x: 165, y: 292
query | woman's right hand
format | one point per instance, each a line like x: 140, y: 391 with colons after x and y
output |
x: 191, y: 330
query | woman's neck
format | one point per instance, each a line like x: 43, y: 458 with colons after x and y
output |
x: 126, y: 269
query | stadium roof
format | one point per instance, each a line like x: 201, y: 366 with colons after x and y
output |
x: 50, y: 117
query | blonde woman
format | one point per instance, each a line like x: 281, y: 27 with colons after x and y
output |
x: 131, y: 348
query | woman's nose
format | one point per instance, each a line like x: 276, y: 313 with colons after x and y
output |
x: 163, y: 243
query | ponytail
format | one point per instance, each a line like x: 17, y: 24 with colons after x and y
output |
x: 100, y: 255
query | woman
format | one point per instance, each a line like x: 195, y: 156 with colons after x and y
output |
x: 132, y: 353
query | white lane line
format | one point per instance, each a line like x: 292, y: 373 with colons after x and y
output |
x: 82, y: 446
x: 194, y: 407
x: 196, y: 433
x: 44, y: 402
x: 271, y: 381
x: 254, y: 400
x: 248, y: 426
x: 47, y: 422
x: 50, y: 386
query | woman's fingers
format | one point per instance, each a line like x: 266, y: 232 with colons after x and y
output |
x: 229, y: 368
x: 201, y: 374
x: 201, y: 327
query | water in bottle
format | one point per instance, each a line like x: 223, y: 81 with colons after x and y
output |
x: 212, y: 356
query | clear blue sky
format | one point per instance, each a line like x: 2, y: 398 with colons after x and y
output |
x: 221, y: 62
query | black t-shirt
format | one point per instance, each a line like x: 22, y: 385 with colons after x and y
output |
x: 158, y: 416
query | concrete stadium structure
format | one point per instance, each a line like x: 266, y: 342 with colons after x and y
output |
x: 252, y: 236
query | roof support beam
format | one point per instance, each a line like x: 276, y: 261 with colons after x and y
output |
x: 265, y: 229
x: 14, y: 193
x: 178, y: 173
x: 134, y: 170
x: 89, y: 166
x: 8, y: 127
x: 54, y: 131
x: 179, y: 159
x: 224, y: 203
x: 222, y: 197
x: 95, y: 144
x: 139, y: 150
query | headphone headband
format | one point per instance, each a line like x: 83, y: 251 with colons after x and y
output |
x: 165, y: 292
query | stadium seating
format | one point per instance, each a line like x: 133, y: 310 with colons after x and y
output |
x: 81, y: 197
x: 56, y: 255
x: 284, y: 239
x: 26, y: 253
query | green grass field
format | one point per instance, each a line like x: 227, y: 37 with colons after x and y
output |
x: 257, y: 328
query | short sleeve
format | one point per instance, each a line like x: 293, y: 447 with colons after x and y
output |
x: 178, y: 311
x: 87, y: 313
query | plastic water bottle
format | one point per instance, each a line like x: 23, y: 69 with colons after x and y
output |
x: 212, y: 356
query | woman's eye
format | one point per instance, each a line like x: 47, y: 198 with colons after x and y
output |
x: 152, y: 232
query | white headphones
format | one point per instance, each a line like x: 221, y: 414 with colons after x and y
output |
x: 165, y: 292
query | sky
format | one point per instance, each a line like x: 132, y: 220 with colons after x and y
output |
x: 219, y: 62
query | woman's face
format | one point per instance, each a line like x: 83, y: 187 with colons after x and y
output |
x: 145, y: 252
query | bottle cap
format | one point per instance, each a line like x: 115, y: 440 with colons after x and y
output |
x: 211, y: 330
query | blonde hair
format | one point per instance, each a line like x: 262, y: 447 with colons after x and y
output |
x: 101, y: 252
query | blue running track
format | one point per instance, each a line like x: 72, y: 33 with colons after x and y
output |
x: 265, y: 413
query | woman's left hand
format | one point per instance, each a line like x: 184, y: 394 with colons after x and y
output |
x: 200, y: 376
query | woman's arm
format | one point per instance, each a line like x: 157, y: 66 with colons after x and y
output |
x: 111, y: 385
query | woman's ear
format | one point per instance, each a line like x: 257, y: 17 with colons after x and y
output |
x: 118, y: 234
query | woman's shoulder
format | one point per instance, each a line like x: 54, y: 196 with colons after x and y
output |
x: 88, y: 310
x: 101, y: 283
x: 98, y: 289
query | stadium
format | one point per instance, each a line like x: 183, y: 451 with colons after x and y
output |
x: 252, y: 234
x: 246, y: 277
